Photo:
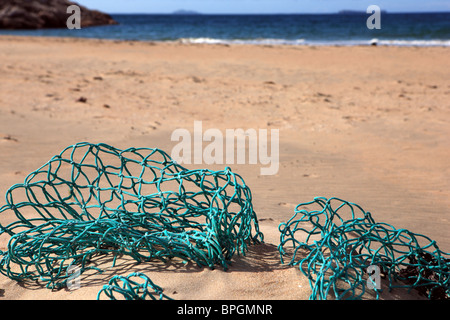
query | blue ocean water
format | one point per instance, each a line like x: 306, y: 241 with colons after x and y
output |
x: 413, y: 29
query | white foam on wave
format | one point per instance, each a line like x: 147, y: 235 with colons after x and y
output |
x: 243, y: 41
x: 394, y: 42
x: 416, y: 43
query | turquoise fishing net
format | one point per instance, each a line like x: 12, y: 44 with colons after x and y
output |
x: 334, y: 242
x: 95, y: 199
x: 135, y: 286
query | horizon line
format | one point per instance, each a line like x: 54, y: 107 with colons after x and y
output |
x: 275, y: 13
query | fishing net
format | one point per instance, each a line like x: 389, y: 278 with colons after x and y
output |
x: 335, y: 243
x: 135, y: 286
x: 94, y: 199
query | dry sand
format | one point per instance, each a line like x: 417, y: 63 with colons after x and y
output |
x: 367, y: 124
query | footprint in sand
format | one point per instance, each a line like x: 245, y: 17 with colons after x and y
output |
x: 309, y: 175
x: 287, y: 204
x: 265, y: 219
x: 8, y: 138
x: 197, y: 79
x: 323, y: 95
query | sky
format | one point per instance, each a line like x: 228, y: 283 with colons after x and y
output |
x: 262, y: 6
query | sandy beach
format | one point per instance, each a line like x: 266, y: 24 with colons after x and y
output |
x: 366, y: 124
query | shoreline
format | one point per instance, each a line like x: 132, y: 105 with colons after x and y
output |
x: 374, y: 42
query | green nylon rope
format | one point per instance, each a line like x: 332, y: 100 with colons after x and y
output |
x: 135, y: 286
x: 341, y: 241
x: 95, y: 199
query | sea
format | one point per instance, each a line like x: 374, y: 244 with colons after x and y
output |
x: 342, y: 29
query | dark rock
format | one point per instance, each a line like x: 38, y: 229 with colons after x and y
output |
x: 41, y: 14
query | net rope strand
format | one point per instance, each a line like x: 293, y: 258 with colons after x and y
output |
x: 135, y: 286
x: 333, y: 242
x: 95, y: 199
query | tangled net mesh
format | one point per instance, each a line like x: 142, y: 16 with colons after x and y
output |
x: 341, y: 241
x: 135, y: 286
x: 95, y: 199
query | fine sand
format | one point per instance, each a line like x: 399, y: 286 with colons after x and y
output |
x: 366, y: 124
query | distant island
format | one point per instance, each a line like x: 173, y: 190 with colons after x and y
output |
x: 185, y: 12
x: 356, y: 12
